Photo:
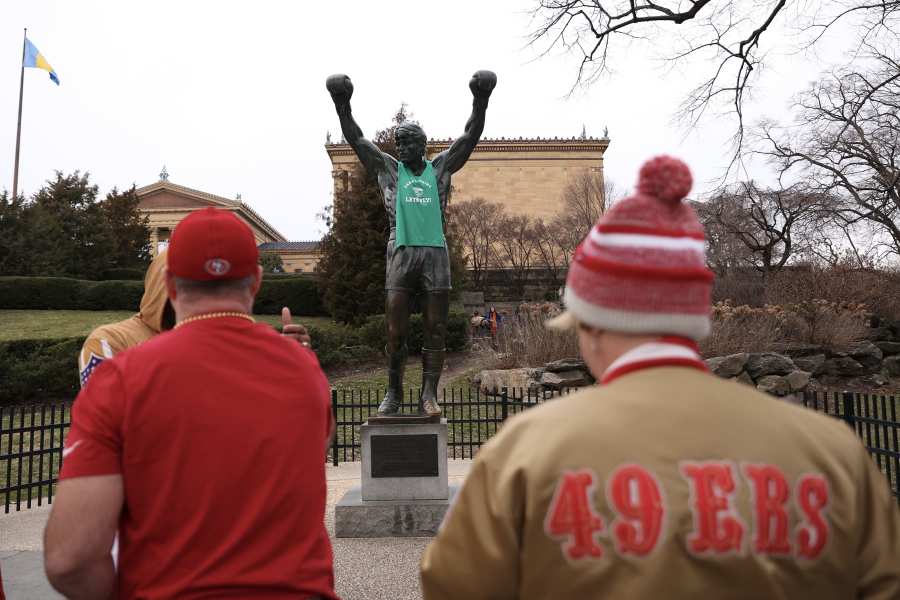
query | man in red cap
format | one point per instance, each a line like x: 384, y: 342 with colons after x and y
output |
x: 663, y: 481
x: 203, y: 447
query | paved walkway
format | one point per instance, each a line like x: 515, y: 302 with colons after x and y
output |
x: 379, y: 568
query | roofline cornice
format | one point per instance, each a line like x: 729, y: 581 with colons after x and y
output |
x: 504, y: 145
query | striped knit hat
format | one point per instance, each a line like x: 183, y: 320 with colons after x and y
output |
x: 642, y: 267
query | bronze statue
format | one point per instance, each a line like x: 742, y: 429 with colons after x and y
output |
x: 416, y: 249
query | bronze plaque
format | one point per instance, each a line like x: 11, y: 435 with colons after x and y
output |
x: 405, y: 455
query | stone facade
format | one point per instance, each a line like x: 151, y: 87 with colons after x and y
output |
x: 296, y: 257
x: 526, y: 176
x: 166, y: 204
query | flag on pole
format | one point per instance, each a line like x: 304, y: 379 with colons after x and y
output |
x: 33, y: 58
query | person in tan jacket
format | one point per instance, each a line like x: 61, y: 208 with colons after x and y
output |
x: 155, y: 316
x: 663, y: 481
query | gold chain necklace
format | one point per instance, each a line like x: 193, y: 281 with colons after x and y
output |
x: 216, y: 315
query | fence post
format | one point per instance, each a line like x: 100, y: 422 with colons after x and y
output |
x: 849, y: 415
x: 334, y: 442
x: 504, y: 403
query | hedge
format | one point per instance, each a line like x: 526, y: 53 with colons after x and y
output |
x: 340, y: 345
x: 46, y: 369
x: 61, y: 293
x: 300, y: 294
x: 39, y: 370
x: 373, y: 332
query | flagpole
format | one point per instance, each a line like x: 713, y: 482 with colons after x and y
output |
x: 19, y: 124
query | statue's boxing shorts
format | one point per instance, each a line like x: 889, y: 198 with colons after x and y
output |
x: 410, y: 268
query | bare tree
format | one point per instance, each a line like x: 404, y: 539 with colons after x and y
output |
x: 731, y: 37
x: 724, y: 250
x: 830, y: 241
x: 475, y: 223
x: 584, y: 197
x: 766, y: 222
x: 846, y: 142
x: 516, y: 246
x: 551, y: 254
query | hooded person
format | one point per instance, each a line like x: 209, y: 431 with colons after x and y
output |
x: 663, y: 481
x: 154, y: 316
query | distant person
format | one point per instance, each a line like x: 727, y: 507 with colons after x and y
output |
x: 494, y: 320
x: 203, y: 447
x: 664, y: 481
x: 155, y: 316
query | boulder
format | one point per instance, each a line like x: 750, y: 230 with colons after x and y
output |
x: 565, y: 364
x: 867, y: 354
x: 746, y: 379
x: 877, y: 380
x: 773, y: 384
x: 842, y: 366
x: 798, y: 380
x: 728, y: 366
x: 814, y: 364
x: 888, y: 348
x: 769, y: 363
x: 890, y: 366
x: 496, y: 379
x: 565, y: 379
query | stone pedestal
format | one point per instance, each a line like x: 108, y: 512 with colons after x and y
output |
x: 404, y: 488
x: 358, y: 518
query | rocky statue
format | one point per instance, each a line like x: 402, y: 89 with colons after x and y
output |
x: 415, y: 193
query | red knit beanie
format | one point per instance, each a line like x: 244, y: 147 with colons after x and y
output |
x: 642, y: 268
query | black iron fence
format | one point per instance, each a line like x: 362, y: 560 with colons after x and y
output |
x: 473, y: 416
x: 31, y: 444
x: 31, y: 437
x: 874, y: 419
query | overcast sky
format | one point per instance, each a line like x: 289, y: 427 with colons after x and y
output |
x: 230, y: 96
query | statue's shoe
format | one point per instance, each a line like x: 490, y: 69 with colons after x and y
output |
x: 389, y: 406
x: 430, y: 407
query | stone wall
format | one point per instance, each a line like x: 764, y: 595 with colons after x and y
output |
x: 870, y: 365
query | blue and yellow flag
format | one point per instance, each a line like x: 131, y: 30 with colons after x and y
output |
x: 33, y: 58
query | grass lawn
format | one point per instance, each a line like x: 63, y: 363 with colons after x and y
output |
x: 39, y: 324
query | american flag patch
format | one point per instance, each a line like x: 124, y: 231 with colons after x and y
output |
x: 89, y: 368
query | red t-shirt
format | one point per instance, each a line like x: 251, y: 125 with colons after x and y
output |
x: 219, y: 430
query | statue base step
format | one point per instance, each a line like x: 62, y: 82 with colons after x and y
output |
x: 358, y: 518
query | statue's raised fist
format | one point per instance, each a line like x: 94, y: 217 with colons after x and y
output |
x: 482, y: 83
x: 340, y: 87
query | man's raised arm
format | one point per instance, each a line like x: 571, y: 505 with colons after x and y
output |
x: 341, y: 89
x: 481, y: 84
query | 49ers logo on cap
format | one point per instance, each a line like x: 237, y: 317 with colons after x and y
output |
x: 217, y: 267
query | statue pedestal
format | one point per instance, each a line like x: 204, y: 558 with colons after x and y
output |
x: 404, y: 489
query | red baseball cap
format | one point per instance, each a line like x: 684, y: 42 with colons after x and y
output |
x: 212, y: 244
